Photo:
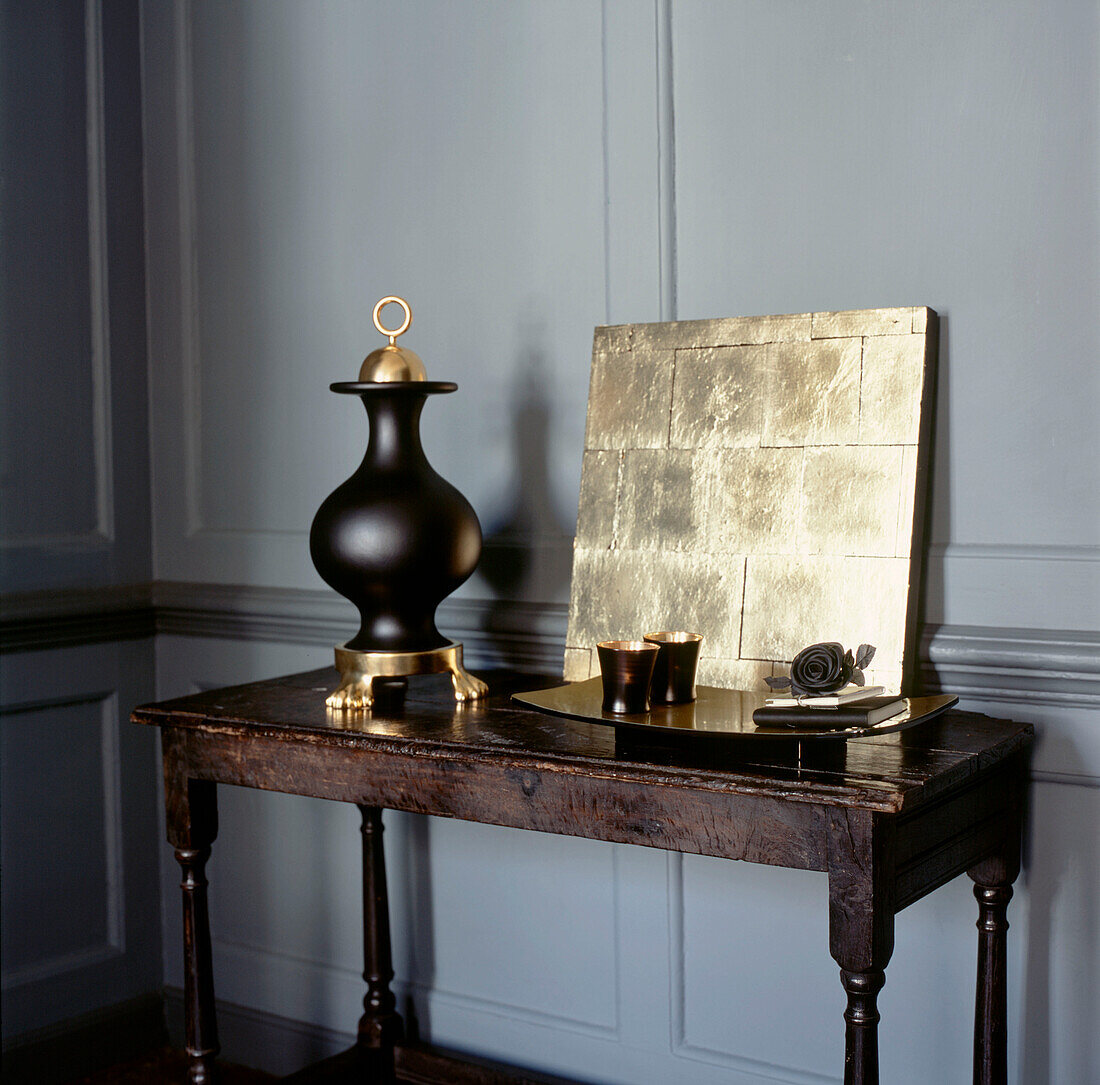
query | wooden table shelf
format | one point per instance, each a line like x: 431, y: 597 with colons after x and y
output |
x: 889, y: 818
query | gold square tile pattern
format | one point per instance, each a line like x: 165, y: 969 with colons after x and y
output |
x: 628, y: 593
x: 753, y: 479
x: 599, y: 493
x: 792, y: 602
x: 718, y: 397
x: 812, y: 393
x: 662, y: 499
x: 893, y: 371
x: 850, y: 500
x: 748, y: 507
x: 629, y: 400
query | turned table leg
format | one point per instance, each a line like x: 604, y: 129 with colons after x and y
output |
x: 991, y: 1001
x: 198, y: 982
x: 380, y: 1027
x: 861, y: 1018
x: 861, y: 928
x: 192, y: 816
x: 993, y: 880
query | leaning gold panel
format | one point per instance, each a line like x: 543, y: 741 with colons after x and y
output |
x: 621, y: 594
x: 749, y: 510
x: 756, y: 480
x: 629, y: 400
x: 792, y: 602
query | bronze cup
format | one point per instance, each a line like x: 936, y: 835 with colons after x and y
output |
x: 626, y: 667
x: 674, y: 672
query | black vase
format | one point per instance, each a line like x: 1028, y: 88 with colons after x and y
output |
x: 396, y: 538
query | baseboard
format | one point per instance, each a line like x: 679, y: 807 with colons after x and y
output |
x: 264, y: 1041
x: 281, y: 1046
x: 82, y: 1045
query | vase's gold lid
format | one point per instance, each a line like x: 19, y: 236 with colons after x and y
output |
x: 391, y: 362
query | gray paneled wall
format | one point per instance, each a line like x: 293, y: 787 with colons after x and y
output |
x: 522, y: 172
x: 74, y: 487
x: 80, y: 878
x: 525, y: 171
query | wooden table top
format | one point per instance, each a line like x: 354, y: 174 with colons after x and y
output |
x: 886, y: 772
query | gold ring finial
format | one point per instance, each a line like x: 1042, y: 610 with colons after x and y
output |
x: 393, y: 333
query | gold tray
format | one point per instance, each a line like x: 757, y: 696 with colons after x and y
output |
x: 715, y: 712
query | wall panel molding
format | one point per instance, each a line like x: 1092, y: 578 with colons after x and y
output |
x: 1036, y: 666
x: 102, y: 475
x: 1030, y: 665
x: 516, y: 633
x: 98, y: 272
x: 113, y: 944
x: 63, y: 618
x: 188, y: 248
x: 666, y: 159
x: 1014, y: 552
x: 680, y: 1047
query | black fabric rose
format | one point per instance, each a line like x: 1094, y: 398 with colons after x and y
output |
x: 824, y: 668
x: 821, y: 668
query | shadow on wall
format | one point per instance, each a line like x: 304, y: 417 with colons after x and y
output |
x: 1061, y: 869
x: 527, y: 556
x: 937, y: 498
x: 528, y: 552
x: 419, y: 966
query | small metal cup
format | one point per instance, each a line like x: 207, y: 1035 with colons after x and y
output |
x: 674, y: 672
x: 626, y: 667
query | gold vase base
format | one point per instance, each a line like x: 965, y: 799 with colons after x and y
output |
x: 358, y: 670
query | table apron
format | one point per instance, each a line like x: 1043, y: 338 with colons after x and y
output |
x: 939, y: 841
x: 731, y: 825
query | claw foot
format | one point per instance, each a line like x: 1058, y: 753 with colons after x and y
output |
x: 467, y: 687
x: 354, y: 693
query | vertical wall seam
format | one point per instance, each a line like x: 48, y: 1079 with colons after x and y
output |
x: 99, y: 284
x: 666, y: 161
x: 606, y: 169
x: 115, y: 869
x: 147, y: 198
x: 674, y: 896
x: 187, y: 197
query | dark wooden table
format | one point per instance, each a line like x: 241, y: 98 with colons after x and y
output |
x: 889, y: 818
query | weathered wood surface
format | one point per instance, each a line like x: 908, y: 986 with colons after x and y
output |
x: 759, y: 828
x: 889, y: 772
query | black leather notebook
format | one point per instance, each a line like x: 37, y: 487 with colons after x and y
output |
x: 860, y: 714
